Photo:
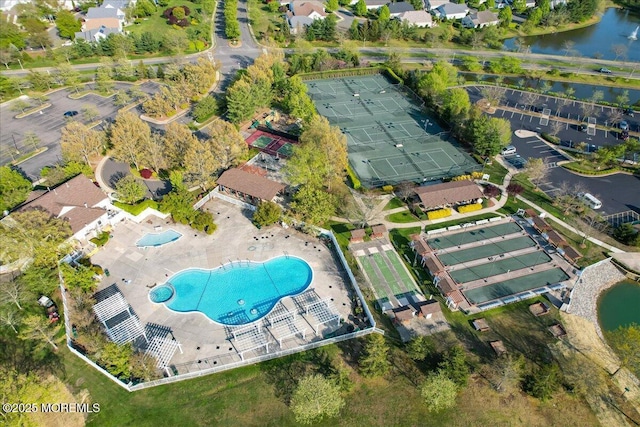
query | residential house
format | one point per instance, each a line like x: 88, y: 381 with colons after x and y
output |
x: 432, y: 5
x: 109, y: 15
x: 417, y: 18
x: 400, y: 7
x: 480, y: 19
x: 96, y: 35
x: 372, y: 4
x: 448, y: 194
x: 451, y: 11
x: 303, y: 13
x: 249, y: 187
x: 78, y: 201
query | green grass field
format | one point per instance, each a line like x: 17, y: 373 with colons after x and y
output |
x: 156, y: 23
x: 393, y: 204
x: 403, y: 217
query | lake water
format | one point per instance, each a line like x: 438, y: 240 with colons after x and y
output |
x: 619, y: 306
x: 613, y: 29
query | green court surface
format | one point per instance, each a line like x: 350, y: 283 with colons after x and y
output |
x: 373, y: 277
x: 515, y: 286
x: 286, y: 150
x: 407, y: 281
x: 485, y: 251
x: 388, y: 275
x: 389, y: 138
x: 504, y: 265
x: 262, y: 141
x: 476, y: 235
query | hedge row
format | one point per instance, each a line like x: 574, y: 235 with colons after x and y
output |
x: 575, y: 167
x: 439, y: 213
x: 350, y: 72
x: 550, y: 138
x: 138, y: 208
x: 355, y: 182
x: 470, y: 208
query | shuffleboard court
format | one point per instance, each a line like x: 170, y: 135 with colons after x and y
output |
x: 515, y: 286
x: 476, y: 235
x: 390, y: 138
x: 407, y: 281
x: 504, y: 265
x: 486, y: 250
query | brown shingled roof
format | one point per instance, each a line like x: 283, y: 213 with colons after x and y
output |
x: 540, y: 223
x: 571, y: 253
x: 555, y: 238
x: 358, y: 233
x: 429, y: 307
x: 404, y: 314
x: 305, y: 8
x: 421, y: 247
x: 378, y: 229
x: 250, y: 184
x: 448, y: 193
x: 447, y: 286
x: 433, y: 265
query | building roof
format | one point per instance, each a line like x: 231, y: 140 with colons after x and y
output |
x: 306, y: 8
x: 90, y: 35
x: 434, y: 4
x: 370, y: 3
x: 448, y: 193
x: 433, y: 265
x: 74, y: 200
x: 102, y: 12
x: 446, y: 285
x: 421, y: 247
x: 378, y: 229
x: 484, y: 17
x: 453, y: 8
x: 555, y: 238
x: 540, y: 223
x: 358, y: 233
x: 404, y: 314
x: 571, y: 253
x: 94, y: 24
x: 400, y: 7
x: 416, y: 17
x: 250, y: 184
x: 429, y: 307
x: 481, y: 325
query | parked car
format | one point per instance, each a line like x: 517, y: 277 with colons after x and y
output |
x: 628, y: 112
x: 509, y: 150
x: 72, y: 113
x: 624, y: 125
x: 50, y: 308
x: 604, y: 70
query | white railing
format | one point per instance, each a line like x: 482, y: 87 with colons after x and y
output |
x: 218, y: 195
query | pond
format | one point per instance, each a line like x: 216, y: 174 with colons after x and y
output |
x: 619, y: 306
x: 593, y: 41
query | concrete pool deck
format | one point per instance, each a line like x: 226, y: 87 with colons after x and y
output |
x: 134, y: 270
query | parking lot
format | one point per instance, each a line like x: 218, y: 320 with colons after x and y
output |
x: 47, y: 125
x: 618, y: 193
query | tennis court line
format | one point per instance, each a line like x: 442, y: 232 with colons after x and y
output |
x: 374, y: 280
x: 406, y: 278
x: 386, y: 272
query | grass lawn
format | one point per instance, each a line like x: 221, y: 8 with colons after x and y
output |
x: 402, y: 217
x: 394, y: 204
x: 156, y: 23
x: 261, y: 18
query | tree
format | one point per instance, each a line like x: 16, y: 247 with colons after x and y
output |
x: 519, y: 5
x: 373, y: 361
x: 626, y: 343
x: 314, y: 205
x: 130, y: 190
x: 267, y: 213
x: 439, y: 392
x: 384, y: 15
x: 619, y: 50
x: 207, y: 106
x: 67, y: 24
x: 200, y: 164
x: 556, y: 127
x: 419, y: 347
x: 441, y: 76
x: 129, y: 136
x: 405, y: 190
x: 543, y: 382
x: 566, y: 198
x: 36, y: 327
x: 10, y: 317
x: 361, y: 8
x: 115, y: 359
x: 505, y: 16
x: 78, y: 279
x: 240, y: 103
x: 514, y: 189
x: 331, y: 6
x: 536, y: 170
x: 227, y: 144
x: 315, y: 398
x: 154, y: 153
x: 627, y: 234
x: 454, y: 365
x: 456, y: 104
x: 14, y: 188
x: 505, y: 373
x: 14, y: 292
x: 79, y: 143
x: 177, y: 139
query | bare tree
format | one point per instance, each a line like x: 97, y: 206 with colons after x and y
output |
x: 594, y: 223
x: 556, y: 127
x: 615, y: 116
x: 619, y: 50
x: 536, y: 170
x: 566, y: 198
x: 12, y: 292
x: 529, y: 98
x: 10, y: 317
x: 588, y: 109
x: 405, y: 190
x: 493, y: 94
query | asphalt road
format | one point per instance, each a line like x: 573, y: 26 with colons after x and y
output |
x: 113, y: 171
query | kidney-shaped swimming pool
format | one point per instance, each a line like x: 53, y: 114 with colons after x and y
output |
x: 237, y: 293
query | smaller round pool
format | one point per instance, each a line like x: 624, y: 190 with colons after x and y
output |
x: 161, y: 294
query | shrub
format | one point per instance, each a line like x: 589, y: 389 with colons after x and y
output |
x: 438, y: 213
x: 491, y: 191
x: 146, y: 173
x: 462, y: 177
x: 267, y: 213
x: 476, y: 175
x: 387, y: 188
x: 550, y: 138
x: 355, y: 182
x: 470, y: 207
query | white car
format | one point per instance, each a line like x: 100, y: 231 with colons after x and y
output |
x: 509, y: 150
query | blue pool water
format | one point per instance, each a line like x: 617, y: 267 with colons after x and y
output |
x: 158, y: 239
x: 161, y: 293
x: 238, y: 293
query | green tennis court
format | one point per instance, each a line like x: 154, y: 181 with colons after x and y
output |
x: 476, y: 235
x: 262, y: 142
x: 515, y: 286
x: 487, y: 250
x: 390, y: 139
x: 286, y: 150
x: 504, y: 265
